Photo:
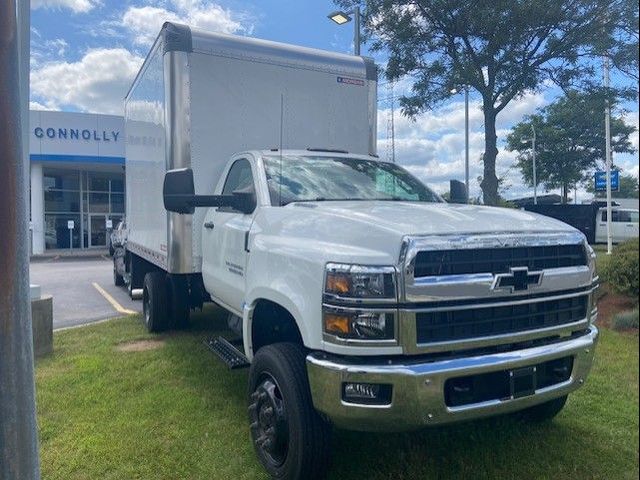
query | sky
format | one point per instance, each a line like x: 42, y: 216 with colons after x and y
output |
x: 85, y: 53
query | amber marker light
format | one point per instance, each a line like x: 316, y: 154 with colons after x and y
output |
x: 338, y: 283
x: 336, y: 324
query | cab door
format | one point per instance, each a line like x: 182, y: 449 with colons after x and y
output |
x: 626, y: 225
x: 224, y: 242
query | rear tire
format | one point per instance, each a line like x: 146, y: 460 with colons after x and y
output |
x: 290, y: 438
x: 545, y: 411
x: 178, y: 289
x: 154, y: 302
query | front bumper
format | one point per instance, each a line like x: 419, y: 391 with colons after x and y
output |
x: 418, y: 387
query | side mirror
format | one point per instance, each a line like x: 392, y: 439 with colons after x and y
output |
x: 178, y: 191
x: 458, y: 192
x: 244, y: 201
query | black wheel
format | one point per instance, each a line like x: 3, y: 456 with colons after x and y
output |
x: 130, y: 284
x: 545, y: 411
x: 117, y: 278
x: 290, y: 438
x: 178, y: 288
x: 154, y: 301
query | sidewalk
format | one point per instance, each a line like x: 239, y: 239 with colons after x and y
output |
x: 84, y: 254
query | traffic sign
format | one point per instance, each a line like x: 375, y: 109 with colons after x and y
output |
x: 600, y: 181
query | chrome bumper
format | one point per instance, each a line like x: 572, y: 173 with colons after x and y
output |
x: 418, y: 397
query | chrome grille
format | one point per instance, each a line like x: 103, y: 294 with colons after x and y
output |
x: 430, y: 263
x: 478, y: 322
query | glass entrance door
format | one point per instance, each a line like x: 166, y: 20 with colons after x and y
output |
x: 97, y: 230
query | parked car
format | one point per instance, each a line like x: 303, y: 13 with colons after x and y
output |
x: 624, y: 224
x: 591, y: 219
x: 118, y: 237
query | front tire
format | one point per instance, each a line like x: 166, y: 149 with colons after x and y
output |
x: 154, y: 302
x: 117, y: 278
x: 544, y: 412
x: 290, y: 438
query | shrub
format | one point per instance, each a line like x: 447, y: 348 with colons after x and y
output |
x: 625, y: 320
x: 622, y: 270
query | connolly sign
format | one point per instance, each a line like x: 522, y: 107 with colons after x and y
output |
x: 77, y: 134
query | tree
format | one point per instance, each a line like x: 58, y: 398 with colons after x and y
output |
x: 628, y: 188
x: 570, y: 140
x: 500, y: 48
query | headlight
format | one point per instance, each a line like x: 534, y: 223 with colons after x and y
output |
x: 351, y: 293
x: 359, y: 325
x: 360, y: 282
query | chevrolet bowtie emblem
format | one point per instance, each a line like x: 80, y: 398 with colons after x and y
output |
x: 518, y: 279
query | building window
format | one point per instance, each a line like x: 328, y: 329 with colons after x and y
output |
x: 89, y: 199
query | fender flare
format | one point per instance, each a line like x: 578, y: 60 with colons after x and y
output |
x: 277, y: 298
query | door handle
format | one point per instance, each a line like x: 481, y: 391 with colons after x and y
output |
x: 209, y: 225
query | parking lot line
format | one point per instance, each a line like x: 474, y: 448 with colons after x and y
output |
x: 119, y: 308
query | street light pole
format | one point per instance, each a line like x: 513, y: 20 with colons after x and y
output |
x: 607, y: 133
x: 356, y: 31
x: 18, y: 434
x: 341, y: 18
x: 466, y: 140
x: 535, y: 176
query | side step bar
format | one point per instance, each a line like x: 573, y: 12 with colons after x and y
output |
x: 227, y: 352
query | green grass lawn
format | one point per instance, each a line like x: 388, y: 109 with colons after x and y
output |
x: 175, y: 412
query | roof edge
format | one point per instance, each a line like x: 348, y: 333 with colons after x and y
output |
x: 176, y: 38
x: 371, y: 68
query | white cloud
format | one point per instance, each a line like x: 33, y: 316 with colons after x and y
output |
x: 47, y: 50
x: 76, y: 6
x: 37, y: 106
x: 432, y: 146
x: 96, y: 83
x: 629, y: 161
x: 144, y: 23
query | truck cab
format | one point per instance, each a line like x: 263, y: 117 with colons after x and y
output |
x: 624, y: 224
x: 352, y: 281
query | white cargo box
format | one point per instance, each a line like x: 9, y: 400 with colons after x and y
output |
x: 201, y: 97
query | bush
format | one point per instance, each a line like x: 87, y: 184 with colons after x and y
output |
x: 622, y: 270
x: 625, y: 320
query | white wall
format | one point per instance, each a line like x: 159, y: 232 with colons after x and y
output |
x: 97, y: 135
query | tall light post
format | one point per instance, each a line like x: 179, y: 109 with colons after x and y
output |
x: 18, y: 432
x: 607, y: 132
x: 535, y: 173
x: 535, y: 176
x: 466, y: 136
x: 341, y: 18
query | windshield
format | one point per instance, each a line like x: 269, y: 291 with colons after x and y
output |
x: 309, y: 178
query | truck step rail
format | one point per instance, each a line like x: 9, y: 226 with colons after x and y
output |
x: 227, y: 352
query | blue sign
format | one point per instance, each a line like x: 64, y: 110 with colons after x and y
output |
x: 600, y: 181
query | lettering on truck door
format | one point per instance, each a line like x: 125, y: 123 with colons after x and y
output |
x: 223, y: 241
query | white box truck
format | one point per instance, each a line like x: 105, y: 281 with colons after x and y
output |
x: 359, y: 298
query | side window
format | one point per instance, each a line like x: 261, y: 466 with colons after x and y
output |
x: 240, y: 179
x: 634, y: 216
x: 624, y: 216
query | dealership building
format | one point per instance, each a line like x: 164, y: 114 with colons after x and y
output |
x: 77, y: 179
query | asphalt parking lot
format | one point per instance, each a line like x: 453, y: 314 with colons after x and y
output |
x: 82, y: 289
